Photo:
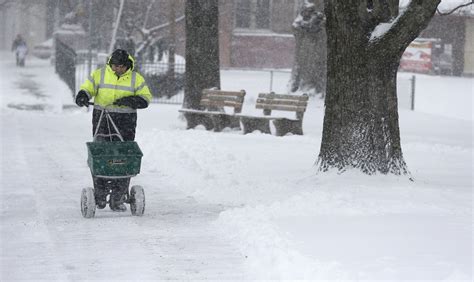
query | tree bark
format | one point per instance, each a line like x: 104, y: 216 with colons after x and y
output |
x: 309, y: 70
x: 361, y: 128
x: 202, y: 50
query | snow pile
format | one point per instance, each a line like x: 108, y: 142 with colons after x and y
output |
x: 359, y: 227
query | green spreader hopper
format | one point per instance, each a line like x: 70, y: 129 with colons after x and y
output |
x: 117, y: 159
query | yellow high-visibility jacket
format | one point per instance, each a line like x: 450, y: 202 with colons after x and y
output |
x: 104, y: 85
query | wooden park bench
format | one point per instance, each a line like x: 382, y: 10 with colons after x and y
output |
x: 278, y: 102
x: 213, y: 115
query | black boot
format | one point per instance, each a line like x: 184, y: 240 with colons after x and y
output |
x: 118, y: 207
x: 100, y: 192
x: 101, y: 201
x: 119, y: 194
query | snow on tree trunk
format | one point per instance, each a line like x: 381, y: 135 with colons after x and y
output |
x: 365, y: 42
x: 202, y: 50
x: 309, y: 70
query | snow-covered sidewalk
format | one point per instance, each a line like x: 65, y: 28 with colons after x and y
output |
x: 225, y: 205
x: 43, y: 235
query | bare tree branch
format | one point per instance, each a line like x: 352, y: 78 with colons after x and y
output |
x: 159, y: 27
x: 409, y: 24
x: 147, y: 14
x: 455, y: 9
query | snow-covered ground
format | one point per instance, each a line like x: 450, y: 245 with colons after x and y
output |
x: 230, y: 206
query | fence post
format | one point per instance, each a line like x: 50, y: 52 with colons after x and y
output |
x: 413, y: 84
x: 271, y: 81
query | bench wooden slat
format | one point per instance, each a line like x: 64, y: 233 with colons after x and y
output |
x: 191, y: 111
x: 213, y: 115
x: 265, y: 117
x: 281, y: 108
x: 222, y: 98
x: 222, y: 103
x: 282, y: 102
x: 223, y: 93
x: 282, y: 96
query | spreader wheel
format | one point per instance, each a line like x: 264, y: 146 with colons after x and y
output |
x: 88, y: 202
x: 137, y: 200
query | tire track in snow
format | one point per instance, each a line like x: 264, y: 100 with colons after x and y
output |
x: 27, y: 248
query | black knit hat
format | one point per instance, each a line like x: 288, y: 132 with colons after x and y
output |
x: 120, y: 57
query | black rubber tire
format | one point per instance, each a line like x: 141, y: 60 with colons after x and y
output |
x: 88, y: 202
x: 137, y: 200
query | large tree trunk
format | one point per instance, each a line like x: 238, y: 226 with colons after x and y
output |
x: 309, y: 69
x: 361, y: 127
x: 202, y: 50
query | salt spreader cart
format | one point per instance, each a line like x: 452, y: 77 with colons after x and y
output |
x: 113, y: 160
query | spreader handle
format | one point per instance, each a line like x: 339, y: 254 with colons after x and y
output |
x: 109, y: 119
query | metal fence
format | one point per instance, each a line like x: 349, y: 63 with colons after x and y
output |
x: 65, y: 64
x: 74, y: 67
x: 166, y: 84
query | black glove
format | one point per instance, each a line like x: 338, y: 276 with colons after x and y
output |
x: 82, y: 99
x: 134, y: 102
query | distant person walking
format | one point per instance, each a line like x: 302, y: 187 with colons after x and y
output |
x: 21, y: 50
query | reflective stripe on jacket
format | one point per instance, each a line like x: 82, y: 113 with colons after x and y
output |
x: 106, y: 87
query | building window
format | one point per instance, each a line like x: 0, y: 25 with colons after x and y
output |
x: 262, y: 14
x: 242, y: 14
x: 252, y: 14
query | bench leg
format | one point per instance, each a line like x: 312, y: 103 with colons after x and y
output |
x: 222, y: 121
x: 252, y: 124
x: 234, y: 122
x: 218, y: 122
x: 194, y: 120
x: 284, y: 126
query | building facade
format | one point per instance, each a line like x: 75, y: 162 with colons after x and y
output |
x: 257, y: 33
x: 252, y: 33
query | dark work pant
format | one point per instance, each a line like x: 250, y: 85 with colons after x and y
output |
x: 126, y: 124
